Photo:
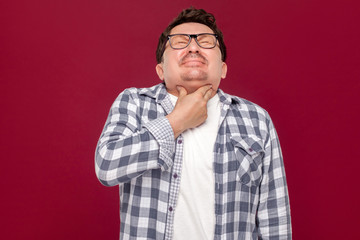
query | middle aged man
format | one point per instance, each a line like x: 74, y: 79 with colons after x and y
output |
x: 191, y: 161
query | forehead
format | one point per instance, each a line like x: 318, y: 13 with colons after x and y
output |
x: 191, y: 28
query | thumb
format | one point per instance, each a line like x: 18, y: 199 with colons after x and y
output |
x: 182, y: 91
x: 208, y: 94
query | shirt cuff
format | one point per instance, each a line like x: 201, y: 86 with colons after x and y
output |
x: 163, y: 133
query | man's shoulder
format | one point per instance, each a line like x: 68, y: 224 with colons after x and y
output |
x: 242, y: 104
x: 248, y: 119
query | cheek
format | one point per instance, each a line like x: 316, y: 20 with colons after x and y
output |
x: 217, y: 67
x: 168, y: 68
x: 171, y: 62
x: 174, y: 56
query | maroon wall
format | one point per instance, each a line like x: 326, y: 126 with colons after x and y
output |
x: 62, y: 63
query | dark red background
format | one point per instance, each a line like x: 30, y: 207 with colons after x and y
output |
x: 63, y: 63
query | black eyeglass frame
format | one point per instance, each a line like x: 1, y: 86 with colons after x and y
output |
x: 191, y: 36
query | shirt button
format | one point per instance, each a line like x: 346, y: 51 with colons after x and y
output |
x: 180, y: 141
x: 175, y: 175
x: 250, y: 149
x: 170, y: 209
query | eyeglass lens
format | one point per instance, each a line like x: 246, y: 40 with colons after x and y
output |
x: 182, y: 41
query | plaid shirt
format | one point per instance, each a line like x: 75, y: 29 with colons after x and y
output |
x: 137, y: 151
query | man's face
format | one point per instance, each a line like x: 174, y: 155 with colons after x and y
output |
x: 193, y: 66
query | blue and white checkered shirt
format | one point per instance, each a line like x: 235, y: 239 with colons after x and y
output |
x: 137, y: 151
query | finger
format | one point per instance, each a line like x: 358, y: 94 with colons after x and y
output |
x: 204, y: 89
x: 182, y: 91
x: 208, y: 94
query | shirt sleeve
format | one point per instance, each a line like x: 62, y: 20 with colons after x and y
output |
x: 274, y: 220
x: 127, y: 148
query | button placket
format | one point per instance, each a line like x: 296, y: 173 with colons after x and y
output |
x: 174, y: 188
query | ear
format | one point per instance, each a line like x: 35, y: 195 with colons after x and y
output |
x: 160, y: 71
x: 223, y: 70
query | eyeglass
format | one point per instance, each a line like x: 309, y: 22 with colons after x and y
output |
x: 204, y: 40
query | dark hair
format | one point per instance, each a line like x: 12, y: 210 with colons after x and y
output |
x: 191, y: 15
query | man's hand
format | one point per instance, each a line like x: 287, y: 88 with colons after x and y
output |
x: 190, y: 110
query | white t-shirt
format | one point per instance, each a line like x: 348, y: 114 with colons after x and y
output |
x: 195, y: 209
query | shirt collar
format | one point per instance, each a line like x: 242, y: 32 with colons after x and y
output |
x: 159, y: 93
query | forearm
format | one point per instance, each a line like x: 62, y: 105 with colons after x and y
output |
x: 120, y: 158
x: 274, y: 216
x: 274, y: 207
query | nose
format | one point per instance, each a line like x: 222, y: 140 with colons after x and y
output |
x: 193, y: 46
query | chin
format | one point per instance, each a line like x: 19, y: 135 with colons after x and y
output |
x: 194, y: 75
x: 194, y: 85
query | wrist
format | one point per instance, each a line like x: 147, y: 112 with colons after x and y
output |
x: 176, y: 125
